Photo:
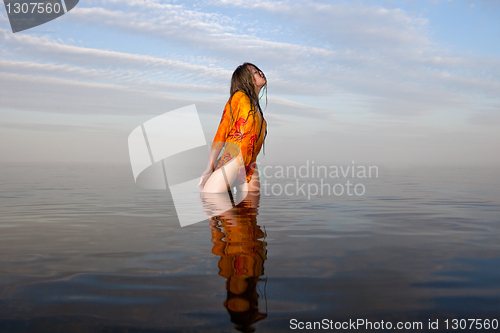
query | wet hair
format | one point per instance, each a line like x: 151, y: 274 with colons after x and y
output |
x: 242, y: 80
x: 243, y: 320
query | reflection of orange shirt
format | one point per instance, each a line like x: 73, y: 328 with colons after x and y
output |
x: 240, y: 248
x: 246, y: 130
x: 240, y: 243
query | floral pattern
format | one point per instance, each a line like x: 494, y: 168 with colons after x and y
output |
x: 244, y: 133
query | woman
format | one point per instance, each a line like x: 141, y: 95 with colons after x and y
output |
x: 241, y: 133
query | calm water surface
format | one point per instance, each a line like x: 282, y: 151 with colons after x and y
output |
x: 83, y: 249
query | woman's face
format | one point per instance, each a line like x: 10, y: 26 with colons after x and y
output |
x: 258, y: 77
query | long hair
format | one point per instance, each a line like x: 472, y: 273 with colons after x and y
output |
x: 242, y: 80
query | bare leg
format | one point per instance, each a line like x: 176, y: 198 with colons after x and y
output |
x: 217, y: 183
x: 253, y: 185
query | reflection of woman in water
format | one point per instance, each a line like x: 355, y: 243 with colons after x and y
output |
x: 238, y: 242
x: 242, y: 129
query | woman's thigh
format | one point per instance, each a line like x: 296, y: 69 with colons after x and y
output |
x: 220, y: 178
x: 254, y: 184
x: 215, y: 183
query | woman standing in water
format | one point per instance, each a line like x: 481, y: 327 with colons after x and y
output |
x: 241, y: 133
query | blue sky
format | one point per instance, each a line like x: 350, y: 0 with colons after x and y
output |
x: 379, y: 82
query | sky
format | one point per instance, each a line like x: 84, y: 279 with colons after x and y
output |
x: 389, y: 83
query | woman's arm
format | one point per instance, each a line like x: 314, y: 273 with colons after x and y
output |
x: 214, y: 154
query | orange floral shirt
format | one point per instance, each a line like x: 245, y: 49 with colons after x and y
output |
x: 244, y: 130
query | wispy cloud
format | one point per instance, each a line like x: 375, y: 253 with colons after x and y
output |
x: 380, y: 54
